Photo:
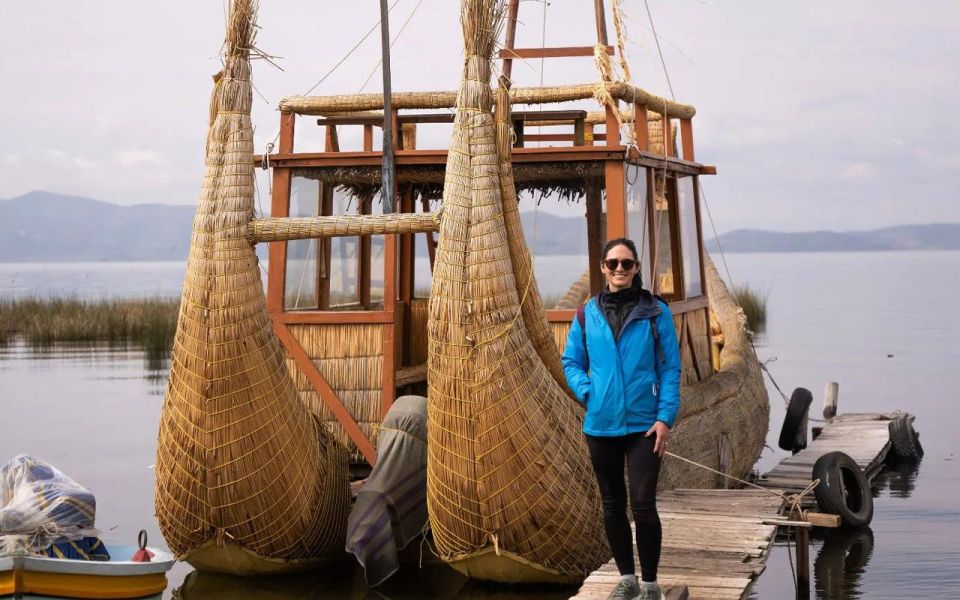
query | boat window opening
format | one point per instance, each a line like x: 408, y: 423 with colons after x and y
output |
x: 556, y: 236
x: 424, y: 246
x: 301, y: 291
x: 638, y: 211
x: 665, y: 282
x: 690, y: 243
x: 330, y: 274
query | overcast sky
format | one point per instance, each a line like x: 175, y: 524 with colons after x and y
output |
x: 818, y: 114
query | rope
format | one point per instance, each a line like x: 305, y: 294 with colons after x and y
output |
x: 793, y: 500
x: 656, y: 38
x: 351, y: 51
x: 395, y: 38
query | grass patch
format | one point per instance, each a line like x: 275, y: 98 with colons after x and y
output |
x: 754, y: 305
x: 149, y: 322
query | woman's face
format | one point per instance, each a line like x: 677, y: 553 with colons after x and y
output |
x: 619, y: 278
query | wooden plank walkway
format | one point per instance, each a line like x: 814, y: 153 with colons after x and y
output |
x: 715, y: 542
x: 864, y: 437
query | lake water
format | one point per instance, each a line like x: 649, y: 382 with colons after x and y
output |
x: 883, y: 325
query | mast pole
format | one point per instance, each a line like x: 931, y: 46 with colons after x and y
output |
x: 508, y: 43
x: 601, y: 22
x: 389, y: 169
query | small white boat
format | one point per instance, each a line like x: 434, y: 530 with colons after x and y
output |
x: 27, y: 576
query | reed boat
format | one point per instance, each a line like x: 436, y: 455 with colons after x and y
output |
x: 437, y: 294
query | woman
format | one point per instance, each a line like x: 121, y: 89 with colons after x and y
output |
x: 622, y: 361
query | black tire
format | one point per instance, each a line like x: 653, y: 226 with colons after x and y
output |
x: 905, y: 441
x: 843, y: 489
x: 792, y: 436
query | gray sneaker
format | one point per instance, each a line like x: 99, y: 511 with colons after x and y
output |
x: 625, y: 590
x: 651, y: 593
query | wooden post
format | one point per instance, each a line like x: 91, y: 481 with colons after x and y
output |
x: 803, y: 561
x: 368, y: 138
x: 364, y: 273
x: 640, y: 126
x: 601, y: 20
x: 280, y: 207
x: 830, y: 398
x: 595, y: 237
x: 511, y: 36
x: 388, y: 186
x: 616, y: 200
x: 686, y: 138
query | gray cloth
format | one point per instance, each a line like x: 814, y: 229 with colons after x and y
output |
x: 391, y: 507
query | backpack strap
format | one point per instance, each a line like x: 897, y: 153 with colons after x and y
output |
x: 661, y: 357
x: 582, y: 319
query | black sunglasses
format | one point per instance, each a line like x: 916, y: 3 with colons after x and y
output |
x: 626, y: 263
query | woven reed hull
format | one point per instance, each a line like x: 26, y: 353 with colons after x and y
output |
x: 241, y: 463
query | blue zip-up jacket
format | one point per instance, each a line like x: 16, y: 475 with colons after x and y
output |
x: 624, y: 385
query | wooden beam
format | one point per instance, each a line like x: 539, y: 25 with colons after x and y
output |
x: 303, y: 317
x: 431, y: 242
x: 686, y: 138
x: 367, y: 138
x: 510, y: 37
x: 818, y: 519
x: 601, y: 20
x: 280, y: 207
x: 388, y: 373
x: 640, y: 127
x: 803, y: 561
x: 560, y: 315
x: 508, y: 53
x: 365, y: 257
x: 595, y: 236
x: 329, y: 397
x: 611, y: 135
x: 616, y: 200
x: 550, y: 137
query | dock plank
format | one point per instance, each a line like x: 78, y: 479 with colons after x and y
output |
x: 864, y: 437
x: 715, y: 543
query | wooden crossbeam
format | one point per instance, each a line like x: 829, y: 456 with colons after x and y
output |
x: 557, y: 52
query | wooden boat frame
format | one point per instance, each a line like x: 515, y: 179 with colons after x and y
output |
x: 591, y: 142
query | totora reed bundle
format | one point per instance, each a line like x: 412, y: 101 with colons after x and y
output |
x: 511, y: 493
x: 247, y: 480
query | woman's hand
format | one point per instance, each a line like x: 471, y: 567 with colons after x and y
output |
x: 662, y: 431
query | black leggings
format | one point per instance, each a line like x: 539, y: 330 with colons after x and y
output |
x: 643, y: 466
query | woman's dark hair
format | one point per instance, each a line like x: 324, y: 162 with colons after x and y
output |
x: 637, y: 280
x: 621, y: 242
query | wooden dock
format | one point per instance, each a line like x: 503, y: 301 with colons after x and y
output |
x: 715, y: 543
x: 864, y: 437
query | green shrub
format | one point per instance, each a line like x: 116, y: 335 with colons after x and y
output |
x: 754, y: 305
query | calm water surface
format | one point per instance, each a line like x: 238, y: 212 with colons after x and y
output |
x: 884, y: 325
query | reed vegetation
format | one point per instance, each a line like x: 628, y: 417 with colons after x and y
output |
x: 149, y: 322
x: 754, y: 305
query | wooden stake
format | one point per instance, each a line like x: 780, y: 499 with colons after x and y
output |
x: 830, y: 399
x: 803, y: 560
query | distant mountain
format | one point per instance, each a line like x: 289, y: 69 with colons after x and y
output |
x: 945, y: 236
x: 48, y: 227
x: 44, y: 226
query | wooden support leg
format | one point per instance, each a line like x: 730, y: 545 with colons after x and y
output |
x: 803, y: 562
